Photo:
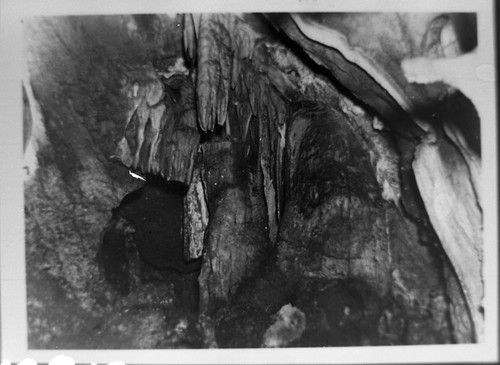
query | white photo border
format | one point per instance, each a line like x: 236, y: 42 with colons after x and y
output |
x: 14, y: 344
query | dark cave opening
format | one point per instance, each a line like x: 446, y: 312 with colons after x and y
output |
x: 143, y: 242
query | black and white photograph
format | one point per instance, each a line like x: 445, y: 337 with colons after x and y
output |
x: 190, y: 184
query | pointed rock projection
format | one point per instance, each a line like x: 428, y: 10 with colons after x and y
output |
x: 161, y: 136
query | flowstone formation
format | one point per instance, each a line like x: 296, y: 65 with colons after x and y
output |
x: 292, y: 187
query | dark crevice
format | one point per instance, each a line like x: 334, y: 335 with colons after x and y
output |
x: 319, y: 70
x: 148, y: 221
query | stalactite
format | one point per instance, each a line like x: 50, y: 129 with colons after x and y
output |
x: 255, y: 96
x: 189, y: 35
x: 266, y: 165
x: 280, y: 179
x: 162, y: 137
x: 252, y: 87
x: 243, y: 42
x: 244, y: 114
x: 195, y: 218
x: 214, y: 69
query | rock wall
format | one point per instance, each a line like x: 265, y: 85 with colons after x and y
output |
x: 310, y: 196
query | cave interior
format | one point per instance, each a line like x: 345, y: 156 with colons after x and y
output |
x: 250, y: 180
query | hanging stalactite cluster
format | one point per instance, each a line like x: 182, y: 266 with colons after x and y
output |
x: 161, y: 136
x: 225, y: 89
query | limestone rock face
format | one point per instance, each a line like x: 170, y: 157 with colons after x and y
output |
x: 195, y: 218
x: 236, y: 238
x: 70, y: 192
x: 455, y: 214
x: 161, y: 137
x: 315, y: 178
x: 334, y: 228
x: 69, y: 195
x: 361, y: 44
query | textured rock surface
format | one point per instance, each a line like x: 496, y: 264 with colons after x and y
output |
x: 161, y: 136
x: 454, y: 212
x: 69, y: 197
x: 425, y: 35
x: 349, y: 74
x: 195, y: 218
x: 303, y: 156
x: 336, y: 229
x: 236, y: 236
x: 154, y: 214
x: 289, y: 325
